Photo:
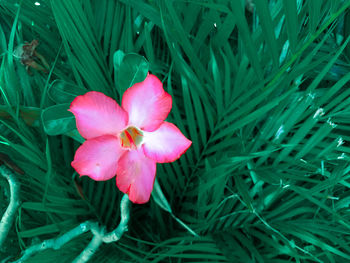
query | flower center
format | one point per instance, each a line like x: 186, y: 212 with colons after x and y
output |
x: 131, y: 138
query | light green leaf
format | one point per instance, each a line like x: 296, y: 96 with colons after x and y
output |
x: 133, y: 69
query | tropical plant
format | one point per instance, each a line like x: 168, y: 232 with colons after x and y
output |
x: 260, y: 87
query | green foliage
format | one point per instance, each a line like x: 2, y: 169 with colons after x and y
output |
x: 263, y: 93
x: 128, y: 70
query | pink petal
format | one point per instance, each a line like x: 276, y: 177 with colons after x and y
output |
x: 135, y: 176
x: 166, y: 144
x: 147, y: 103
x: 98, y: 157
x: 97, y: 115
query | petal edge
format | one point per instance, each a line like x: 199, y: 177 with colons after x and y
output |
x: 98, y: 158
x: 166, y: 144
x: 135, y: 176
x: 97, y: 114
x: 147, y: 104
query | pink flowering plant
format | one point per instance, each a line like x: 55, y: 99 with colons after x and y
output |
x: 127, y: 141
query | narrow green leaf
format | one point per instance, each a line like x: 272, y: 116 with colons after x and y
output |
x: 47, y: 229
x: 244, y: 32
x: 243, y: 191
x: 217, y: 84
x: 290, y: 9
x: 268, y: 31
x: 159, y: 198
x: 61, y: 91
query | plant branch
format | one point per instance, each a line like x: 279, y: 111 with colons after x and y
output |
x: 116, y: 234
x: 99, y: 236
x: 90, y: 250
x: 57, y: 243
x: 9, y: 215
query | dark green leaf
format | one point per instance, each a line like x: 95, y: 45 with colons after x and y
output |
x: 58, y: 120
x: 63, y: 92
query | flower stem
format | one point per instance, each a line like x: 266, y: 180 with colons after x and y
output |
x: 116, y: 234
x: 9, y: 215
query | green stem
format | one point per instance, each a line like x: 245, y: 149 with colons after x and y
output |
x: 90, y: 250
x: 99, y: 236
x: 116, y: 234
x: 9, y: 215
x: 57, y: 243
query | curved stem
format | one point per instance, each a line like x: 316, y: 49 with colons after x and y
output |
x: 116, y: 234
x: 9, y: 215
x: 99, y: 236
x: 57, y: 243
x: 90, y: 250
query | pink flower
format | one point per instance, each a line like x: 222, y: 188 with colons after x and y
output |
x: 127, y: 141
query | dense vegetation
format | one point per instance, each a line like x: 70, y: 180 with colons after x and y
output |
x: 261, y: 88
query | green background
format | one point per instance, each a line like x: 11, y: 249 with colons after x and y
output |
x: 261, y: 89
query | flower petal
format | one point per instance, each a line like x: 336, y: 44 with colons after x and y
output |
x: 147, y: 103
x: 97, y: 115
x: 135, y: 176
x: 98, y: 157
x: 166, y: 144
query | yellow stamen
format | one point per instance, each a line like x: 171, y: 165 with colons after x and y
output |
x: 131, y: 138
